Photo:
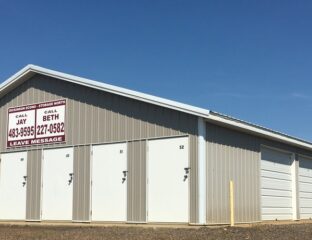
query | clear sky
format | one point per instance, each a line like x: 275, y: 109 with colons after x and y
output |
x: 245, y: 58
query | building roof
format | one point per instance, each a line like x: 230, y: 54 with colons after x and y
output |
x: 31, y: 70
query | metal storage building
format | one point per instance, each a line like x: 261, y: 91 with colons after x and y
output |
x: 73, y: 149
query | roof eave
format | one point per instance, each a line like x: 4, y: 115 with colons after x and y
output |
x: 31, y: 69
x: 15, y: 79
x: 265, y: 133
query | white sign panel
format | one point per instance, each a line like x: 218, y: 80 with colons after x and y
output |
x: 41, y: 123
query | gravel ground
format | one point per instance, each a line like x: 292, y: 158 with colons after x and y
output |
x: 261, y: 231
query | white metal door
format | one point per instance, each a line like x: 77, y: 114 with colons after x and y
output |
x: 13, y: 185
x: 168, y: 180
x: 109, y: 182
x: 276, y: 185
x: 305, y: 187
x: 57, y: 184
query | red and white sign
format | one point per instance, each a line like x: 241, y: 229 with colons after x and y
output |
x: 42, y: 123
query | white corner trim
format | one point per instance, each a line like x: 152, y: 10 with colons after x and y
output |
x: 202, y: 178
x: 294, y: 179
x: 15, y: 77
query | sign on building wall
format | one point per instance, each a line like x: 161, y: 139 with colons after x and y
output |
x: 42, y: 123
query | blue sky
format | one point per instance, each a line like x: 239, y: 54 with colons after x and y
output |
x: 248, y: 59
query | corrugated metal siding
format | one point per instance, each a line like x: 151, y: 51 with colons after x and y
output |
x: 114, y: 118
x: 82, y: 184
x: 193, y: 157
x: 33, y: 199
x: 94, y: 116
x: 136, y: 196
x: 233, y: 156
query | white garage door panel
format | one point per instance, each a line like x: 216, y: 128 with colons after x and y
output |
x: 306, y: 210
x: 276, y: 202
x: 109, y: 190
x: 276, y: 175
x: 167, y: 190
x: 306, y: 202
x: 57, y: 192
x: 276, y: 185
x: 275, y: 192
x: 305, y: 187
x: 277, y: 210
x: 279, y: 168
x: 304, y: 195
x: 305, y: 179
x: 13, y: 168
x: 306, y: 216
x: 269, y: 217
x: 305, y: 172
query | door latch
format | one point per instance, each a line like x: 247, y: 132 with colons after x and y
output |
x: 71, y: 178
x: 124, y: 176
x: 25, y: 181
x: 187, y: 172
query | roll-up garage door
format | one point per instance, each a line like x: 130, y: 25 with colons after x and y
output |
x: 168, y: 180
x: 13, y: 183
x: 276, y: 185
x: 305, y: 187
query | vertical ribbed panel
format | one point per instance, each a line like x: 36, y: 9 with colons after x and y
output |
x: 232, y: 155
x: 33, y: 199
x: 136, y: 204
x: 93, y: 117
x: 82, y: 184
x: 193, y: 191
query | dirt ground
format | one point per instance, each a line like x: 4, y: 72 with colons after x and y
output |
x: 300, y: 231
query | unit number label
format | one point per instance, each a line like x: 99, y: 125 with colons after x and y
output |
x: 41, y: 123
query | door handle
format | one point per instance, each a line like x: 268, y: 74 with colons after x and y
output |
x: 71, y: 175
x: 25, y: 181
x: 187, y: 172
x: 124, y: 176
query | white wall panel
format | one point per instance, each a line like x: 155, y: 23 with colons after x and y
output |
x: 13, y: 168
x: 168, y: 182
x: 57, y: 184
x: 109, y: 182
